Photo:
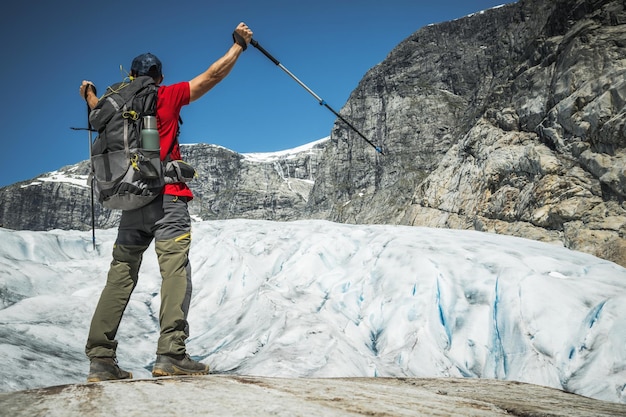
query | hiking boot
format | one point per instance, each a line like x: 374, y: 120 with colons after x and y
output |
x: 170, y: 365
x: 106, y: 369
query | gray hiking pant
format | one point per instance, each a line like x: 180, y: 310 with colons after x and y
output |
x: 167, y: 221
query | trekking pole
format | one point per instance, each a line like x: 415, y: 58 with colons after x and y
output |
x: 318, y: 98
x: 89, y: 129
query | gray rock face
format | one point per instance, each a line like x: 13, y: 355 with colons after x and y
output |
x: 55, y: 200
x: 230, y: 185
x: 510, y: 121
x: 256, y: 186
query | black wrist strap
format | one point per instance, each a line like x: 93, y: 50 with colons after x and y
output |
x: 239, y: 40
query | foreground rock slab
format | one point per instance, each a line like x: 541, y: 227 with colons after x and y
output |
x: 229, y: 395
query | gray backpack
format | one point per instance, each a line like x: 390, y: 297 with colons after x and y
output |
x: 125, y: 176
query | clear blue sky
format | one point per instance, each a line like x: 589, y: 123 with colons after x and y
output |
x: 48, y: 48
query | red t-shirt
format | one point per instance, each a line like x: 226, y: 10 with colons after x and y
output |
x: 170, y: 100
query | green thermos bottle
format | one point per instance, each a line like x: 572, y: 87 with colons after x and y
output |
x: 150, y: 140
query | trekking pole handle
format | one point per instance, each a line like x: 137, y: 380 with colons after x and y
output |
x: 267, y: 54
x: 90, y: 87
x: 87, y: 88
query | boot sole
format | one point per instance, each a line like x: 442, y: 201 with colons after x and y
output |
x: 99, y: 379
x: 177, y: 372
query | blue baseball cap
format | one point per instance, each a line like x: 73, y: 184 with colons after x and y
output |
x: 146, y: 64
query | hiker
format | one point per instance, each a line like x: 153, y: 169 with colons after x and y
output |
x: 165, y: 219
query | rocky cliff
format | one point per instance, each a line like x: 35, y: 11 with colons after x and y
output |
x: 271, y: 186
x: 510, y: 121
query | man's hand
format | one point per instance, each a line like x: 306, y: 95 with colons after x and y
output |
x: 88, y: 92
x: 242, y: 35
x: 84, y: 88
